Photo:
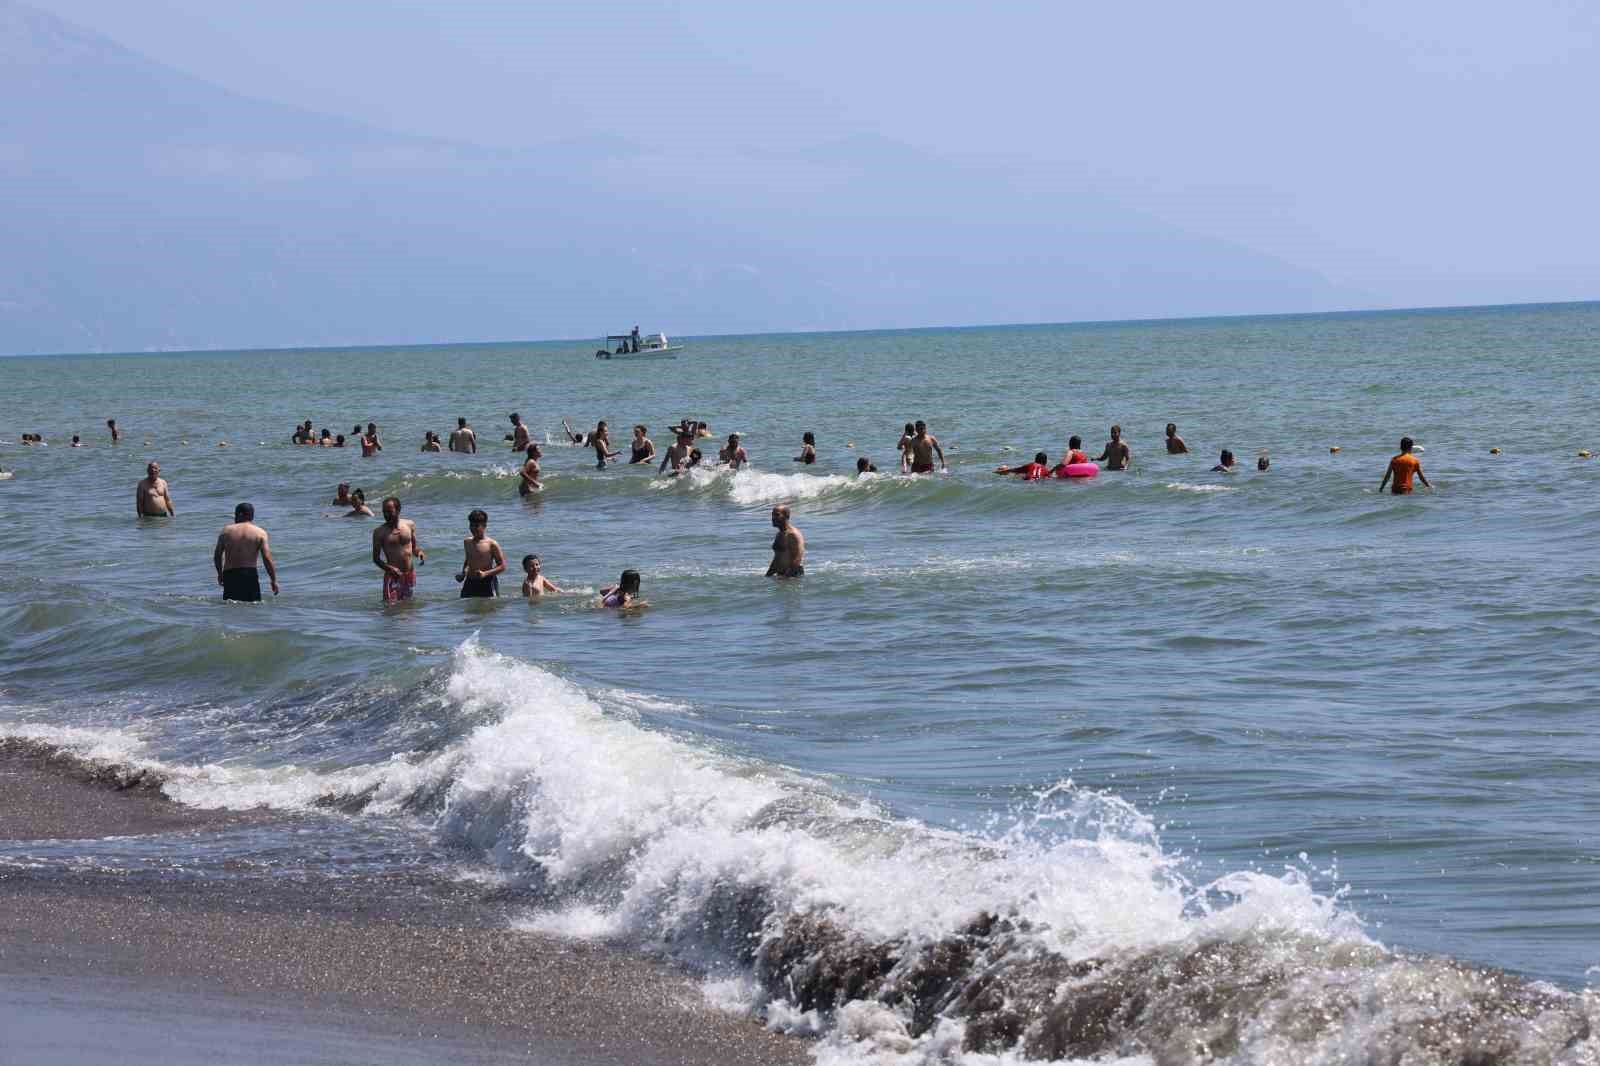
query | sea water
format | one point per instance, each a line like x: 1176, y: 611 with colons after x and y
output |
x: 1266, y: 764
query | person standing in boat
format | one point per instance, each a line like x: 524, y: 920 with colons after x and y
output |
x: 634, y: 338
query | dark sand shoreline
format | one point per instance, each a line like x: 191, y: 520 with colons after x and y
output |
x: 100, y: 967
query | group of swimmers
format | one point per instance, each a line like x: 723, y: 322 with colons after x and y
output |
x: 243, y: 546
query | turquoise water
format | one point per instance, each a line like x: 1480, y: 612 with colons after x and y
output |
x: 1278, y: 696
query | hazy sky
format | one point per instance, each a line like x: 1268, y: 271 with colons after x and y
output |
x: 1427, y: 152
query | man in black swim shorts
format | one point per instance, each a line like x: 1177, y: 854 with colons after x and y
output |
x: 239, y: 546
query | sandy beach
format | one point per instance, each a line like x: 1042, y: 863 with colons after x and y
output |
x: 102, y: 967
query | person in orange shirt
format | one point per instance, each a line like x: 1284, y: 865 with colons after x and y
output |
x: 1402, y: 467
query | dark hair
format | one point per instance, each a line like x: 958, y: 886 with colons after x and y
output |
x: 526, y: 559
x: 515, y: 417
x: 243, y: 513
x: 111, y: 421
x: 339, y: 439
x: 808, y: 437
x: 1040, y: 457
x: 1406, y: 443
x: 359, y: 494
x: 701, y: 425
x: 1263, y: 462
x: 478, y: 516
x: 356, y: 429
x: 910, y: 428
x: 642, y: 429
x: 461, y: 422
x: 1227, y: 457
x: 1172, y: 427
x: 326, y: 432
x: 533, y: 451
x: 863, y: 464
x: 629, y: 581
x: 396, y: 500
x: 921, y: 424
x: 372, y: 427
x: 1116, y: 430
x: 1075, y: 442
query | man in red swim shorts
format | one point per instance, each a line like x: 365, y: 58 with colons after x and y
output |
x: 1402, y: 467
x: 396, y: 552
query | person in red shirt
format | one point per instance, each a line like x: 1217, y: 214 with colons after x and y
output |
x: 1039, y: 468
x: 1402, y: 468
x: 1075, y: 455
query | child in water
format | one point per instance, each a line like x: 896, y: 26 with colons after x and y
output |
x: 534, y: 583
x: 1225, y: 464
x: 808, y: 448
x: 625, y: 593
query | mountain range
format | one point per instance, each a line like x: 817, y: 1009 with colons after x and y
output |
x: 148, y: 209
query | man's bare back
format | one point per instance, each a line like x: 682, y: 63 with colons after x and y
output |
x: 241, y: 544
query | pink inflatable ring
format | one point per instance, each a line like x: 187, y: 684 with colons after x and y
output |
x: 1079, y: 470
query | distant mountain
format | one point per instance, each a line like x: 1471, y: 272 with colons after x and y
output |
x: 144, y: 208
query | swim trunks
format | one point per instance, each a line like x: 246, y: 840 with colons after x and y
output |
x: 480, y: 587
x: 241, y: 584
x: 921, y: 468
x: 397, y: 588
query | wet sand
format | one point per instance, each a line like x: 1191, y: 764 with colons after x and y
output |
x: 102, y: 967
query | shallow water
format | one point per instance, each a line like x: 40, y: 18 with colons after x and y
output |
x: 1287, y: 705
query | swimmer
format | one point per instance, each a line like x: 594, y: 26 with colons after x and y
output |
x: 677, y: 454
x: 370, y: 445
x: 1402, y: 468
x: 1074, y: 457
x: 534, y: 583
x: 463, y: 439
x: 1039, y: 468
x: 116, y: 434
x: 152, y: 497
x: 864, y: 466
x: 301, y: 432
x: 76, y: 443
x: 696, y: 457
x: 341, y: 495
x: 1225, y: 464
x: 239, y: 545
x: 572, y: 438
x: 396, y: 552
x: 483, y: 562
x: 358, y: 505
x: 326, y: 440
x: 733, y: 453
x: 600, y: 441
x: 702, y: 431
x: 528, y: 477
x: 788, y: 547
x: 920, y: 449
x: 338, y: 442
x: 519, y: 434
x: 903, y: 446
x: 430, y: 442
x: 1117, y: 455
x: 643, y: 449
x: 625, y: 593
x: 808, y: 448
x: 1263, y: 462
x: 1175, y: 445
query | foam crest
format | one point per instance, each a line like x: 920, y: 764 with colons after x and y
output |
x: 749, y: 487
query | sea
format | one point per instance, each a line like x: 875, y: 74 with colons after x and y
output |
x: 1168, y: 765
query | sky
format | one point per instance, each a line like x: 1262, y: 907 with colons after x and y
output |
x: 1424, y: 152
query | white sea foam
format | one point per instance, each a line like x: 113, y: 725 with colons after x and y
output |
x: 749, y: 487
x: 1184, y: 486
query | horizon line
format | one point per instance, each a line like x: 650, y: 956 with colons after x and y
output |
x: 1157, y: 320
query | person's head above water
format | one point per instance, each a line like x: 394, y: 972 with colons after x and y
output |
x: 153, y: 470
x: 1227, y: 457
x: 1041, y: 458
x: 863, y: 465
x: 922, y: 428
x: 461, y: 423
x: 910, y: 429
x: 1172, y: 429
x: 808, y: 437
x: 629, y: 582
x: 639, y: 431
x: 1116, y: 432
x: 780, y: 515
x: 530, y: 564
x: 372, y: 427
x: 516, y: 419
x: 1406, y: 444
x: 1075, y: 441
x: 1263, y: 462
x: 534, y: 452
x: 477, y: 520
x: 733, y: 439
x: 391, y: 509
x: 244, y: 512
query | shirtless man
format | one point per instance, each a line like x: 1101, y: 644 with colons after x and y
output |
x: 484, y: 562
x: 370, y: 445
x: 151, y: 497
x: 921, y: 447
x: 788, y: 547
x: 464, y: 439
x: 733, y: 453
x: 528, y: 477
x: 519, y: 434
x: 677, y: 455
x: 1402, y: 467
x: 396, y: 552
x: 239, y: 546
x: 116, y: 434
x: 600, y: 441
x: 1175, y: 445
x: 1117, y: 455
